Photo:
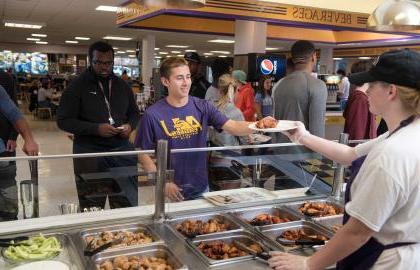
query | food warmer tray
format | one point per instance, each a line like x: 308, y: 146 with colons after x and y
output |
x: 155, y: 250
x: 330, y: 222
x: 296, y: 205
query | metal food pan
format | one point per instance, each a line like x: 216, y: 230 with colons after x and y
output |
x: 296, y: 205
x: 158, y: 250
x: 273, y: 231
x: 330, y: 222
x: 243, y: 237
x: 135, y: 227
x: 234, y: 226
x: 68, y: 255
x: 249, y: 214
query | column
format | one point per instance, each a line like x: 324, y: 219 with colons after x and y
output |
x: 250, y: 37
x: 326, y: 61
x: 148, y: 49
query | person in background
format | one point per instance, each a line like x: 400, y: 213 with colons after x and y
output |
x: 263, y: 99
x: 225, y: 105
x: 244, y: 97
x: 218, y: 68
x: 343, y: 89
x: 299, y: 96
x: 124, y: 76
x: 199, y: 83
x: 100, y: 110
x: 381, y: 227
x: 359, y: 123
x: 11, y: 120
x: 183, y: 121
x: 45, y: 93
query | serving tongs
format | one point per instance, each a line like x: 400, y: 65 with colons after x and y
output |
x: 264, y: 256
x: 89, y: 252
x: 300, y: 242
x: 14, y: 241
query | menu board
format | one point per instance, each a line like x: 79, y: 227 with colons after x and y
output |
x: 22, y: 62
x: 39, y: 63
x: 35, y: 63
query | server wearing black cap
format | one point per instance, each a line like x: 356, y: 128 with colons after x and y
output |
x: 199, y: 83
x: 381, y: 222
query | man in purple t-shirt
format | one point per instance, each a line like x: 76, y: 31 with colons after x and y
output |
x: 183, y: 120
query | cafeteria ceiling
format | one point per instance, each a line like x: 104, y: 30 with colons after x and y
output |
x: 65, y: 19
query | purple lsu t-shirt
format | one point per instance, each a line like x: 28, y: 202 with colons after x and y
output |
x: 183, y: 127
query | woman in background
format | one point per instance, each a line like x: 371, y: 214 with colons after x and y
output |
x: 263, y: 99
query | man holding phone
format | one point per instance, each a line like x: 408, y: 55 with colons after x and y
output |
x: 100, y: 110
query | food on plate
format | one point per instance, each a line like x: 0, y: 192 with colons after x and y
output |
x: 35, y: 248
x: 220, y: 250
x: 267, y: 219
x: 191, y: 228
x: 128, y: 238
x: 319, y: 209
x: 135, y: 262
x: 266, y: 123
x: 301, y: 234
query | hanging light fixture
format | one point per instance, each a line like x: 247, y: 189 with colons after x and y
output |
x: 395, y: 15
x: 185, y: 4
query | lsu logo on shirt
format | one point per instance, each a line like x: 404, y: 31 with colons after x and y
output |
x: 182, y: 129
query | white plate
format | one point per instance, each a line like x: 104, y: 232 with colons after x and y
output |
x: 282, y: 125
x: 43, y: 265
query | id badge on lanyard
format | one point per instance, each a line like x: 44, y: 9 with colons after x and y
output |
x: 107, y: 100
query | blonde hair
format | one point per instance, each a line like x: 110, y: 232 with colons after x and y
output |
x: 224, y: 83
x: 410, y: 98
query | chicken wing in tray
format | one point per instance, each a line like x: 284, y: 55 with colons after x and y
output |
x: 267, y: 219
x: 192, y: 228
x: 135, y: 263
x: 319, y: 209
x: 220, y: 250
x: 301, y: 234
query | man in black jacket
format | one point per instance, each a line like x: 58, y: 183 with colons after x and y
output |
x: 99, y: 109
x: 199, y: 84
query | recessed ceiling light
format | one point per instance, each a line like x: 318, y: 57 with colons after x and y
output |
x: 190, y: 50
x: 365, y: 57
x: 33, y: 39
x: 222, y: 41
x: 180, y: 55
x: 221, y: 52
x: 130, y: 51
x: 107, y: 8
x: 337, y: 58
x: 207, y: 53
x: 120, y: 52
x: 158, y: 57
x: 117, y: 38
x: 131, y: 55
x: 23, y: 24
x: 175, y: 51
x: 157, y: 49
x: 39, y: 35
x: 271, y: 49
x: 115, y: 48
x: 177, y: 46
x: 163, y: 53
x: 82, y: 38
x: 72, y: 41
x: 41, y: 42
x: 223, y: 56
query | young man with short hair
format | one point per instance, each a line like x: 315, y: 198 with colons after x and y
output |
x: 183, y: 120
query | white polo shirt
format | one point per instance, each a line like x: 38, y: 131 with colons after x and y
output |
x: 385, y: 195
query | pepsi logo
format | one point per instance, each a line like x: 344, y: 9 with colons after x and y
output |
x: 266, y: 67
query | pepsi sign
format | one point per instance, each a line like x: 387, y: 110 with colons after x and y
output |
x: 267, y: 67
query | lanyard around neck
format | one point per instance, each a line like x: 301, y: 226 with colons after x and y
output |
x: 107, y: 100
x: 403, y: 124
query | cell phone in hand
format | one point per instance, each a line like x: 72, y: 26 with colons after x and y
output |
x: 120, y: 128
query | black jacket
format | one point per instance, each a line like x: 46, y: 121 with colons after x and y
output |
x: 82, y: 108
x: 7, y: 131
x: 199, y: 86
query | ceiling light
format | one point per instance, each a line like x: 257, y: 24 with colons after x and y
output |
x: 41, y: 42
x: 395, y: 15
x: 177, y: 46
x: 72, y: 41
x: 271, y: 49
x: 157, y: 49
x: 337, y: 58
x: 39, y: 35
x: 82, y: 38
x: 207, y: 53
x: 222, y: 41
x: 130, y: 51
x: 107, y: 8
x: 23, y: 24
x: 190, y: 50
x: 365, y: 57
x: 158, y: 57
x: 180, y: 55
x: 120, y: 52
x: 115, y: 48
x: 33, y: 39
x: 175, y: 51
x: 221, y: 52
x: 117, y: 38
x: 163, y: 53
x: 131, y: 55
x: 222, y: 56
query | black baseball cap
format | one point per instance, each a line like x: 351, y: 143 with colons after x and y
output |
x: 400, y: 67
x: 193, y: 57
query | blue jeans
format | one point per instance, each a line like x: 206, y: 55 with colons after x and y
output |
x: 343, y: 104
